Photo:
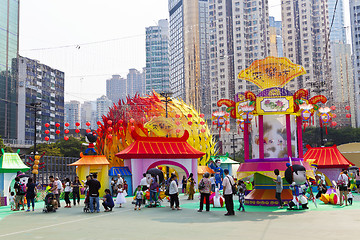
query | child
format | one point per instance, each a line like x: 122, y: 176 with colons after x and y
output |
x: 350, y: 196
x: 12, y: 200
x: 139, y: 198
x: 241, y: 194
x: 120, y: 199
x: 108, y: 201
x: 125, y: 186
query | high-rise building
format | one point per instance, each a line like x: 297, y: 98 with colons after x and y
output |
x: 157, y: 57
x: 39, y: 83
x: 239, y: 35
x: 116, y: 88
x: 102, y: 107
x: 305, y: 26
x: 135, y: 82
x: 355, y: 36
x: 189, y: 65
x: 276, y: 41
x: 338, y: 33
x: 72, y: 113
x: 88, y: 113
x: 9, y: 42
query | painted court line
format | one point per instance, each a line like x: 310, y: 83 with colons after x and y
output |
x: 63, y: 223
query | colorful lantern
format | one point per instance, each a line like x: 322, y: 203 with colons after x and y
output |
x: 47, y: 125
x: 77, y: 130
x: 202, y: 115
x: 66, y: 131
x: 88, y: 130
x: 347, y: 108
x: 88, y: 124
x: 348, y: 115
x: 109, y: 122
x: 47, y: 131
x: 67, y: 124
x: 77, y: 124
x: 47, y: 138
x: 57, y: 132
x: 66, y: 138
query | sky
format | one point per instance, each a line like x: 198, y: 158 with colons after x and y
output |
x: 90, y: 41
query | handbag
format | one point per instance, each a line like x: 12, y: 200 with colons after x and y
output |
x: 341, y: 182
x: 233, y: 188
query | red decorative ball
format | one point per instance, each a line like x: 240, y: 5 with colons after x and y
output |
x: 347, y: 107
x: 77, y: 124
x: 121, y: 128
x: 98, y: 123
x: 333, y: 124
x: 47, y: 131
x: 47, y: 125
x: 110, y: 129
x: 190, y: 123
x: 77, y: 130
x: 202, y: 115
x: 178, y: 130
x: 57, y: 125
x: 177, y: 123
x: 227, y: 122
x: 132, y: 120
x: 67, y: 124
x: 227, y: 114
x: 88, y: 130
x: 202, y: 123
x: 66, y: 131
x: 66, y: 138
x: 99, y: 129
x: 333, y: 108
x: 227, y: 129
x: 88, y: 124
x: 203, y: 130
x: 109, y: 122
x: 348, y: 115
x: 57, y: 132
x: 47, y: 138
x: 143, y: 119
x: 110, y: 136
x: 333, y: 115
x: 177, y: 116
x: 132, y: 128
x: 189, y: 115
x: 120, y: 121
x: 214, y: 122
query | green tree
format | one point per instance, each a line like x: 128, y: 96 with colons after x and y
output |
x: 70, y: 148
x: 6, y: 148
x: 49, y: 149
x: 336, y: 136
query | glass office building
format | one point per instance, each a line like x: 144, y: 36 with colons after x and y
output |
x: 9, y: 37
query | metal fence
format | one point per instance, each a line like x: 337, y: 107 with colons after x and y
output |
x: 55, y: 166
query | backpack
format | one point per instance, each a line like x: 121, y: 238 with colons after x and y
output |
x: 22, y: 188
x: 201, y: 185
x: 233, y: 188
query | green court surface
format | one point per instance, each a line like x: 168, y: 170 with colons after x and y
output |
x: 163, y: 223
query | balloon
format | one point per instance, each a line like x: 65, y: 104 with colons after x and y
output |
x: 66, y: 138
x: 77, y: 130
x: 227, y: 129
x: 88, y: 130
x: 202, y: 115
x: 190, y: 123
x: 177, y: 116
x: 47, y: 138
x: 47, y: 131
x: 203, y: 130
x: 47, y: 125
x: 57, y: 125
x: 348, y: 115
x: 110, y: 129
x: 189, y: 115
x: 333, y: 115
x: 57, y: 132
x: 177, y: 123
x: 110, y: 136
x: 88, y: 124
x: 333, y: 108
x: 178, y: 130
x: 132, y: 128
x: 109, y: 122
x: 202, y: 122
x: 347, y: 107
x: 132, y: 120
x: 333, y: 124
x: 77, y: 124
x: 66, y: 131
x: 67, y: 124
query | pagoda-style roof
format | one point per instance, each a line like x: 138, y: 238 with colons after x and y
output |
x: 204, y: 169
x: 160, y: 148
x: 91, y: 160
x: 12, y: 163
x: 326, y: 157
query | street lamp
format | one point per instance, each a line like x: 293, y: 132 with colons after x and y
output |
x: 35, y: 106
x: 167, y: 96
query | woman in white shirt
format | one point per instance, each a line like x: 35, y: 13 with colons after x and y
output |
x: 174, y: 193
x: 67, y: 192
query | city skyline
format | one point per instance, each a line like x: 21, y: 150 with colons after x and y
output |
x: 71, y: 46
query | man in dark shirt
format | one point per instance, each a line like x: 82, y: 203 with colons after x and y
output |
x: 20, y: 195
x: 94, y: 186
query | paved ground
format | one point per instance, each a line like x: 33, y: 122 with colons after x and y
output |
x: 325, y: 222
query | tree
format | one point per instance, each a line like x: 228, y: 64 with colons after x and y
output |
x: 336, y: 136
x: 61, y: 148
x: 6, y: 148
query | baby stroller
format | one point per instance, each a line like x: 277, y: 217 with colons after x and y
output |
x: 87, y: 202
x: 50, y: 202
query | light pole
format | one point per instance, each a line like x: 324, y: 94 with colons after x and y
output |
x: 167, y: 96
x: 35, y: 106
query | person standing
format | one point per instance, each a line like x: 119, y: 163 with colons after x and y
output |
x: 30, y: 194
x: 343, y: 181
x: 20, y: 194
x: 212, y: 180
x: 54, y: 190
x: 191, y: 183
x: 94, y: 186
x: 205, y: 189
x: 174, y: 193
x: 183, y: 187
x: 120, y: 181
x: 279, y: 187
x: 67, y: 192
x: 58, y: 184
x: 76, y: 190
x: 144, y: 183
x: 227, y: 184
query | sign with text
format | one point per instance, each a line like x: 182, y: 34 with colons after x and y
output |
x: 274, y: 105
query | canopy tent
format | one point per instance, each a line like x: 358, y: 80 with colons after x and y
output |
x: 12, y: 163
x: 327, y: 157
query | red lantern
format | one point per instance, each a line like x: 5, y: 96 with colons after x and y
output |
x: 99, y: 129
x: 121, y: 128
x: 143, y: 119
x: 333, y: 115
x: 67, y: 124
x: 347, y: 108
x: 214, y: 122
x: 57, y: 132
x: 77, y: 124
x: 98, y: 123
x: 178, y: 130
x: 189, y: 115
x: 47, y: 131
x: 348, y: 115
x: 110, y: 136
x: 57, y: 125
x: 227, y: 114
x: 109, y: 122
x: 132, y: 128
x: 177, y: 116
x: 47, y: 125
x: 88, y: 130
x: 77, y: 130
x: 333, y: 124
x: 333, y: 108
x: 177, y: 123
x: 66, y: 138
x: 88, y: 124
x: 202, y: 122
x: 203, y: 130
x: 47, y: 138
x: 190, y: 123
x: 120, y: 121
x: 132, y: 120
x: 66, y: 131
x: 202, y: 115
x: 227, y: 129
x: 227, y: 122
x: 110, y: 129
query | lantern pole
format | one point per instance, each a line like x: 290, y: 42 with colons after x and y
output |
x: 35, y: 106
